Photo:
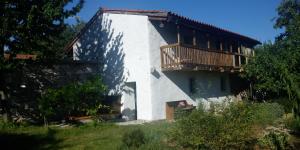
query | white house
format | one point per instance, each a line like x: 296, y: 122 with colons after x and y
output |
x: 153, y: 59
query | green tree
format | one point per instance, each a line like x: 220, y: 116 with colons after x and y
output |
x: 60, y: 41
x: 32, y: 26
x: 77, y: 98
x: 276, y: 67
x: 35, y: 27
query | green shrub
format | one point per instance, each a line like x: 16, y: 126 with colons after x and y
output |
x: 154, y: 145
x: 133, y: 139
x: 73, y: 99
x: 292, y: 123
x: 266, y: 113
x: 285, y: 102
x: 182, y: 112
x: 223, y: 126
x: 274, y: 140
x: 7, y: 125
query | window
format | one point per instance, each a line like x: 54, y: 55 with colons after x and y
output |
x: 192, y: 84
x: 223, y: 84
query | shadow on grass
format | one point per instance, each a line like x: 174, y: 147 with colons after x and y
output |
x: 29, y: 141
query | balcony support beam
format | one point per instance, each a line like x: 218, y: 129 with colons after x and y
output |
x: 208, y: 42
x: 221, y: 46
x: 178, y: 34
x: 239, y: 52
x: 194, y: 38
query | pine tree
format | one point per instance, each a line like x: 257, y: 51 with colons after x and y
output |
x: 31, y: 26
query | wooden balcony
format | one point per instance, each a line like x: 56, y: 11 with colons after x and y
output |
x: 179, y: 57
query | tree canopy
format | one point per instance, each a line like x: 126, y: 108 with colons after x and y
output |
x: 276, y: 67
x: 33, y: 26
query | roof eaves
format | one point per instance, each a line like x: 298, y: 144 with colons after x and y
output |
x: 152, y: 14
x: 213, y: 27
x: 132, y: 10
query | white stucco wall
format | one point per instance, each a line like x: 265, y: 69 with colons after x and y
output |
x: 129, y: 33
x: 128, y: 46
x: 174, y: 86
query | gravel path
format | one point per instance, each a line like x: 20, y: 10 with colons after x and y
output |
x: 133, y: 122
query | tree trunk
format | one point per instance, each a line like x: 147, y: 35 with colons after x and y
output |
x: 45, y: 121
x: 1, y: 48
x: 6, y: 115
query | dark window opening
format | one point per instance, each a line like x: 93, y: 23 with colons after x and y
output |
x: 218, y: 45
x: 243, y: 60
x: 192, y: 84
x: 202, y: 42
x: 213, y: 45
x: 236, y: 60
x: 226, y: 46
x: 188, y: 40
x: 223, y: 84
x: 234, y: 48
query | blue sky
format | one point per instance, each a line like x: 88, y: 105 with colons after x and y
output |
x: 248, y: 17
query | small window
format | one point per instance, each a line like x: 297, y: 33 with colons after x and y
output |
x: 223, y: 84
x: 192, y: 84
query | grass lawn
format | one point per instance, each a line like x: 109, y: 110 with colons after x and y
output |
x: 91, y: 136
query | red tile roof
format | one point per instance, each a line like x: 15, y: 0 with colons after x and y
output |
x: 161, y: 14
x: 132, y: 10
x: 169, y: 13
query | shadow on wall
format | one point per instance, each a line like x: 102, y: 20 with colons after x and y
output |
x: 102, y: 45
x: 205, y: 86
x: 168, y: 31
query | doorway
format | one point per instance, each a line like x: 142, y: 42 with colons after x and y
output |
x: 129, y: 111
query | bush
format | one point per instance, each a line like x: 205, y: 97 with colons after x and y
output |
x: 134, y: 139
x: 7, y: 125
x: 292, y: 123
x: 266, y: 113
x: 274, y: 140
x: 182, y: 112
x: 223, y: 127
x: 73, y: 99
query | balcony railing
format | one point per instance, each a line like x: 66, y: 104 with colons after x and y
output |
x: 179, y: 57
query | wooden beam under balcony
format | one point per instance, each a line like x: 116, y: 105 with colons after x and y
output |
x: 184, y: 57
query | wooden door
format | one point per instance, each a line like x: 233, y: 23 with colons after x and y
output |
x: 169, y: 111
